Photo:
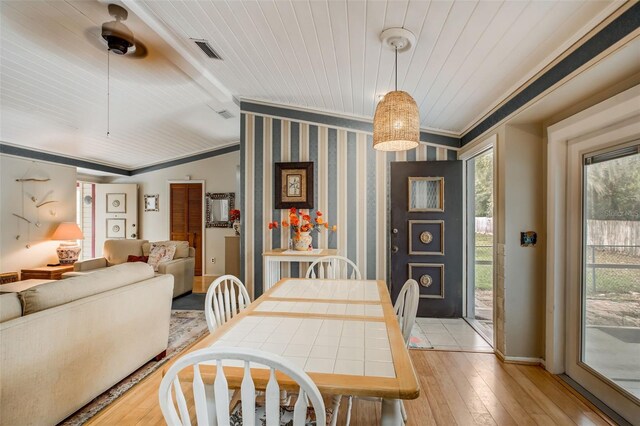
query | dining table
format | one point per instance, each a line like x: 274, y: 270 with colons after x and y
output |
x: 343, y: 333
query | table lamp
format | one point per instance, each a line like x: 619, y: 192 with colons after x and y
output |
x: 69, y: 250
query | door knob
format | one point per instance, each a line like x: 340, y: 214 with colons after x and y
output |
x: 394, y: 249
x: 394, y: 230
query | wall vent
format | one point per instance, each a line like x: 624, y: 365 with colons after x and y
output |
x: 225, y: 114
x: 207, y: 49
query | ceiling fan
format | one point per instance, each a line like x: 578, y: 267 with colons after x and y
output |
x: 118, y: 38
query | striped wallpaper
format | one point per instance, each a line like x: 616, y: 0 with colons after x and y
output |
x: 351, y: 181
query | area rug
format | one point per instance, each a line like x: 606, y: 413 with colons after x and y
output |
x: 418, y: 340
x: 185, y: 328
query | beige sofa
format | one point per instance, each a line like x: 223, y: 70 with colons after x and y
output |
x: 65, y: 342
x: 116, y: 252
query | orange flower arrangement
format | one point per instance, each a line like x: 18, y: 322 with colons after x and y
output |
x: 299, y: 222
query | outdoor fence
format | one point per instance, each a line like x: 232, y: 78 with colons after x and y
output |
x: 612, y: 268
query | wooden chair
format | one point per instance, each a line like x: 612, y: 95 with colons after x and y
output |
x: 212, y: 401
x: 406, y: 308
x: 226, y: 297
x: 333, y: 268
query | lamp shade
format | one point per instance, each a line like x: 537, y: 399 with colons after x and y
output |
x: 396, y: 123
x: 67, y: 231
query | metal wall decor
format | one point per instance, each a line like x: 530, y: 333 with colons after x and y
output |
x: 116, y: 202
x: 293, y: 185
x: 426, y: 237
x: 151, y: 203
x: 218, y: 206
x: 430, y: 276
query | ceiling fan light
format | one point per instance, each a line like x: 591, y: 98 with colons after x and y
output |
x: 396, y: 123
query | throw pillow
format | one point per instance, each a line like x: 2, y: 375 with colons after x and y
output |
x: 133, y: 258
x: 160, y: 254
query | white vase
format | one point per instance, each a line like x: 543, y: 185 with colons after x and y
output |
x: 302, y: 243
x: 236, y: 227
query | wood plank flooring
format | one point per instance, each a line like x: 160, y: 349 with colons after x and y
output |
x: 457, y: 388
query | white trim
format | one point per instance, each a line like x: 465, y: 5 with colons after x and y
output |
x: 614, y: 110
x: 476, y: 148
x: 609, y: 123
x: 466, y: 154
x: 167, y: 203
x: 572, y: 43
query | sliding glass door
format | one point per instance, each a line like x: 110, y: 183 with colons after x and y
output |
x: 603, y: 335
x: 480, y: 240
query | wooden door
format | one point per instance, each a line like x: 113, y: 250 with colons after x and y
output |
x: 185, y: 222
x: 426, y: 234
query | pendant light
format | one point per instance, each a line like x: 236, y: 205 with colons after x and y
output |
x: 396, y: 123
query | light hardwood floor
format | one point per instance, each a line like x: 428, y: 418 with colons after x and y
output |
x: 201, y: 284
x: 456, y: 388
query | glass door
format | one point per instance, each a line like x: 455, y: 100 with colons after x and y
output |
x: 603, y: 338
x: 611, y: 268
x: 480, y: 240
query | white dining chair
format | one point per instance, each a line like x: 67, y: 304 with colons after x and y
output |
x: 226, y: 297
x: 211, y: 401
x: 406, y: 308
x: 334, y: 268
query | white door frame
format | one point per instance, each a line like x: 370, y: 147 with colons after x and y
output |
x: 608, y: 123
x: 204, y: 218
x: 464, y: 154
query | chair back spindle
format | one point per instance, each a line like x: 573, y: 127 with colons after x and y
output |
x: 333, y: 268
x: 212, y: 401
x: 226, y: 297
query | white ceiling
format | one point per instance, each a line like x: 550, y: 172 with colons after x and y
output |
x: 469, y: 57
x: 54, y: 90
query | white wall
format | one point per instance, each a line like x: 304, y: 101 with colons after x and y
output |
x: 219, y: 174
x: 524, y: 266
x: 13, y: 253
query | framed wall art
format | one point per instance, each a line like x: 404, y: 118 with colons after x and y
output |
x: 116, y: 202
x: 293, y: 185
x: 151, y: 203
x: 116, y: 228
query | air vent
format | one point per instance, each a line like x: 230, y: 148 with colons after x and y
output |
x: 225, y: 114
x: 207, y: 49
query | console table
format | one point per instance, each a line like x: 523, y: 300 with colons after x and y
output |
x: 45, y: 272
x: 272, y: 260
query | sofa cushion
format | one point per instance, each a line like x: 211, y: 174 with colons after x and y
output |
x: 162, y: 253
x: 10, y: 307
x: 117, y: 251
x: 57, y: 293
x: 182, y: 248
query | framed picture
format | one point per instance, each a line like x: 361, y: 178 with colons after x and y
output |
x: 294, y: 185
x: 116, y: 228
x: 151, y: 203
x: 116, y: 203
x: 218, y: 206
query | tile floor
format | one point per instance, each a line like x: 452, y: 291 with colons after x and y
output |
x: 452, y: 334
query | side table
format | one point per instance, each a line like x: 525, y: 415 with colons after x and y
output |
x: 45, y: 272
x: 272, y: 260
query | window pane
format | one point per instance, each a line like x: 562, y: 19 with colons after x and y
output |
x: 425, y: 194
x: 611, y: 271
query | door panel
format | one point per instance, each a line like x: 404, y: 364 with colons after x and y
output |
x: 185, y: 222
x: 116, y: 209
x: 426, y: 234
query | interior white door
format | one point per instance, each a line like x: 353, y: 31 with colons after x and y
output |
x: 116, y: 213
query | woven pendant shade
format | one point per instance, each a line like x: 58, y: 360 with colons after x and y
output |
x: 396, y: 123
